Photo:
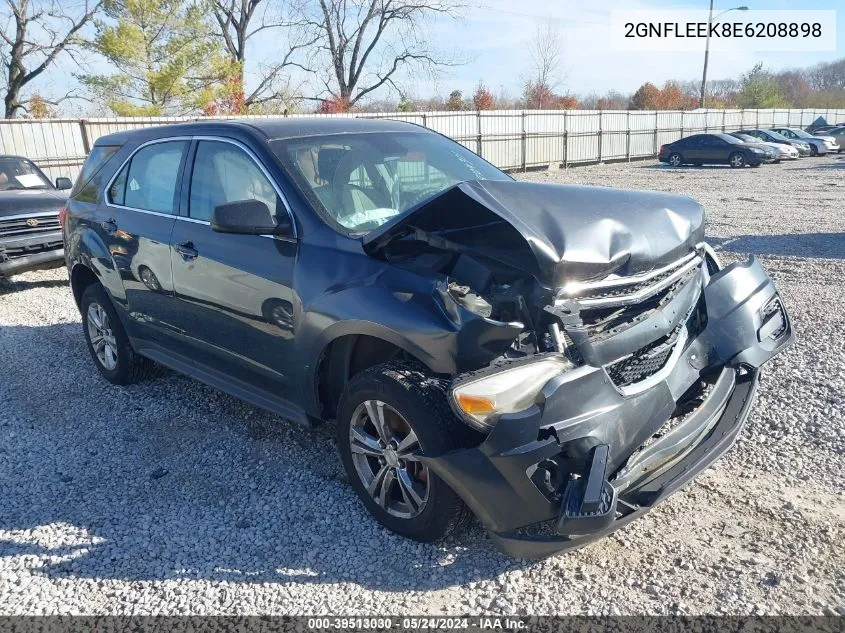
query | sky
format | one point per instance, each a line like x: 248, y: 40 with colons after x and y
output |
x: 497, y: 34
x: 493, y: 38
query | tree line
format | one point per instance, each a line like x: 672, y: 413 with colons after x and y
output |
x: 179, y: 57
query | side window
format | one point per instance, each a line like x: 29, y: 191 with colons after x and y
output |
x: 148, y: 181
x: 225, y: 173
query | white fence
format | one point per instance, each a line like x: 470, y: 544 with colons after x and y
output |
x: 510, y: 139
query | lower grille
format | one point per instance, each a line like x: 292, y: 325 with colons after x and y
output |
x: 774, y: 307
x: 9, y: 253
x: 645, y: 362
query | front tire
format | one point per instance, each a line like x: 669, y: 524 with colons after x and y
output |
x: 814, y: 151
x: 387, y: 414
x: 736, y: 160
x: 107, y: 341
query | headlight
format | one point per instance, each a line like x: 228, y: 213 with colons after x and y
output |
x: 482, y: 400
x: 756, y: 150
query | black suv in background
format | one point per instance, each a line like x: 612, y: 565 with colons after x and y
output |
x: 30, y: 231
x: 557, y: 355
x: 713, y: 149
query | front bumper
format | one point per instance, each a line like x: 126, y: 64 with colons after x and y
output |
x: 516, y: 479
x: 31, y: 252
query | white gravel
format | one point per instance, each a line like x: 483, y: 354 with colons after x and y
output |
x: 170, y: 497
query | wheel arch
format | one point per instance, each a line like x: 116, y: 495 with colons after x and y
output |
x: 81, y: 276
x: 350, y: 353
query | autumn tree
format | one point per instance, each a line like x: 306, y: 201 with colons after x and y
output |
x: 162, y: 53
x: 34, y: 34
x: 367, y: 44
x: 565, y: 102
x: 646, y: 97
x: 239, y: 21
x: 672, y: 97
x: 333, y: 105
x: 482, y: 98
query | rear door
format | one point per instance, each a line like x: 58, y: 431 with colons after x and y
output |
x: 137, y: 220
x: 234, y: 291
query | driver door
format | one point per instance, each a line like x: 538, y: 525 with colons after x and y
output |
x: 235, y: 291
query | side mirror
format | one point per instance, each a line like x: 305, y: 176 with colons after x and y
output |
x: 63, y: 183
x: 248, y: 217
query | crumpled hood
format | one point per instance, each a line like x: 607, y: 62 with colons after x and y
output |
x: 557, y: 233
x: 19, y: 201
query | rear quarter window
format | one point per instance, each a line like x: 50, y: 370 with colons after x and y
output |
x: 98, y: 157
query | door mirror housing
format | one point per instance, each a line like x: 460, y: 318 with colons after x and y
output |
x: 248, y: 217
x: 63, y: 183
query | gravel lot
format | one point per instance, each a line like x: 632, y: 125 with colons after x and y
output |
x: 170, y: 497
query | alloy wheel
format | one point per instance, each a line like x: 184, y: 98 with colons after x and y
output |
x: 675, y: 160
x: 737, y: 160
x: 101, y: 336
x: 383, y: 446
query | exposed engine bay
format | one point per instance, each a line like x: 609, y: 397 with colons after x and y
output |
x: 569, y: 272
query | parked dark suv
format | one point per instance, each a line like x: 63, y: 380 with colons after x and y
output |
x: 564, y: 356
x: 713, y: 149
x: 30, y: 233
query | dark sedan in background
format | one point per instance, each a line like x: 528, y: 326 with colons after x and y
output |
x: 713, y: 149
x: 30, y: 231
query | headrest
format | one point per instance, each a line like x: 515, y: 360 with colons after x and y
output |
x: 327, y: 160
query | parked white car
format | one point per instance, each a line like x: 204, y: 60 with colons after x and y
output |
x: 819, y: 145
x: 783, y: 152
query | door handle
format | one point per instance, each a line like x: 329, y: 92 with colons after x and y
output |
x: 110, y: 226
x: 187, y: 251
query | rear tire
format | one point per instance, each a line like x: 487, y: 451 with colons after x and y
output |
x: 107, y: 341
x: 404, y: 495
x: 675, y: 159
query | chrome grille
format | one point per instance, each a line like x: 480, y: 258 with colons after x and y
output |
x: 629, y: 290
x: 24, y: 225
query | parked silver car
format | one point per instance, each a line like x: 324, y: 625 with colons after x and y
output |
x: 782, y: 151
x: 837, y: 133
x: 819, y: 145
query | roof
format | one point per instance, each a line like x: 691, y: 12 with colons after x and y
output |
x: 269, y: 129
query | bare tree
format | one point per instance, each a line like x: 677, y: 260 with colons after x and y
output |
x: 545, y: 52
x: 546, y: 56
x: 368, y: 42
x: 240, y: 20
x: 34, y: 33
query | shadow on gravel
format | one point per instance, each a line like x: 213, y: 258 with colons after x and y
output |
x: 811, y: 245
x: 169, y: 479
x: 8, y: 286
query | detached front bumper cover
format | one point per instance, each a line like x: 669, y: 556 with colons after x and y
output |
x: 587, y: 458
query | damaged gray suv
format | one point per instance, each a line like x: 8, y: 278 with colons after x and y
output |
x: 554, y: 360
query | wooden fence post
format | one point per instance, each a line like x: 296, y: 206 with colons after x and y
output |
x: 524, y: 139
x: 86, y: 141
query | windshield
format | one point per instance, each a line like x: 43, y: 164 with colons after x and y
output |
x: 19, y: 173
x: 364, y: 180
x: 778, y: 136
x: 801, y: 133
x: 746, y: 138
